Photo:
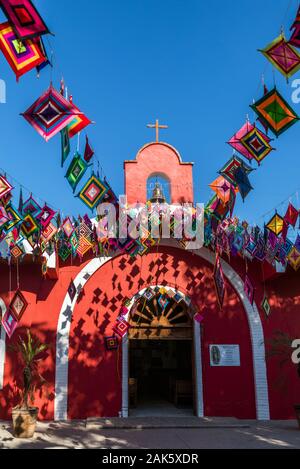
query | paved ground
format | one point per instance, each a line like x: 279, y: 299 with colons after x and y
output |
x: 248, y: 435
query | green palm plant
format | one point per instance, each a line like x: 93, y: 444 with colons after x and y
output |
x: 30, y: 351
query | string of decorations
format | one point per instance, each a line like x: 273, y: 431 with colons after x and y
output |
x: 226, y: 234
x: 40, y: 230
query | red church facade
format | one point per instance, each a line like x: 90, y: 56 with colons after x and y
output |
x: 86, y: 380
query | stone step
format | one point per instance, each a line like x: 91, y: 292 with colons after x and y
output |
x: 142, y: 423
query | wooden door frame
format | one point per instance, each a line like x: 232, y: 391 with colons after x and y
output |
x: 197, y: 351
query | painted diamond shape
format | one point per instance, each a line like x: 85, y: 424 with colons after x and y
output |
x: 266, y: 306
x: 72, y: 291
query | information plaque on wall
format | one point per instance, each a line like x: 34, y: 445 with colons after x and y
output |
x: 225, y: 355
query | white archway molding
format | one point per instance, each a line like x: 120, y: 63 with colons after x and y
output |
x: 2, y: 345
x: 253, y: 316
x: 63, y: 339
x: 197, y: 354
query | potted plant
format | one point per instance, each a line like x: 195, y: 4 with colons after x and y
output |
x: 25, y: 415
x: 281, y: 346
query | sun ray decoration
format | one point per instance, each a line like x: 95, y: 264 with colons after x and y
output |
x: 159, y: 312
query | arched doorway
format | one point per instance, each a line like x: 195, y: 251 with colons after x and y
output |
x: 162, y: 365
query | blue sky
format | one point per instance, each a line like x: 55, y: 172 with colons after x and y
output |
x: 191, y: 63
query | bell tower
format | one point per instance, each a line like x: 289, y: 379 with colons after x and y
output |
x: 158, y: 159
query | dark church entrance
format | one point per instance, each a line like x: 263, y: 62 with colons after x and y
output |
x: 161, y: 377
x: 161, y: 368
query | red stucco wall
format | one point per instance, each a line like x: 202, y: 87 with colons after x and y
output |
x: 95, y: 374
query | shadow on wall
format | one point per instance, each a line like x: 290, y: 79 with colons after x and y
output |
x: 44, y: 397
x: 95, y: 384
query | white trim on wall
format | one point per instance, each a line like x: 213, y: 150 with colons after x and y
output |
x: 125, y: 377
x: 198, y: 369
x: 2, y: 346
x: 63, y: 339
x: 254, y: 320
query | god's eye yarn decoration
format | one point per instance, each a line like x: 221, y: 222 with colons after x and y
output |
x: 48, y: 233
x: 249, y: 289
x: 121, y: 327
x: 93, y: 192
x: 294, y: 259
x: 68, y: 227
x: 276, y: 224
x: 291, y: 215
x: 111, y: 343
x: 3, y: 216
x: 5, y: 187
x: 295, y: 39
x: 46, y: 216
x: 24, y: 18
x: 283, y: 56
x: 50, y: 113
x: 76, y: 171
x: 257, y: 144
x: 9, y: 324
x: 31, y: 207
x: 22, y: 55
x: 14, y: 216
x: 29, y: 226
x: 275, y: 112
x: 230, y: 168
x: 78, y: 123
x: 18, y: 305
